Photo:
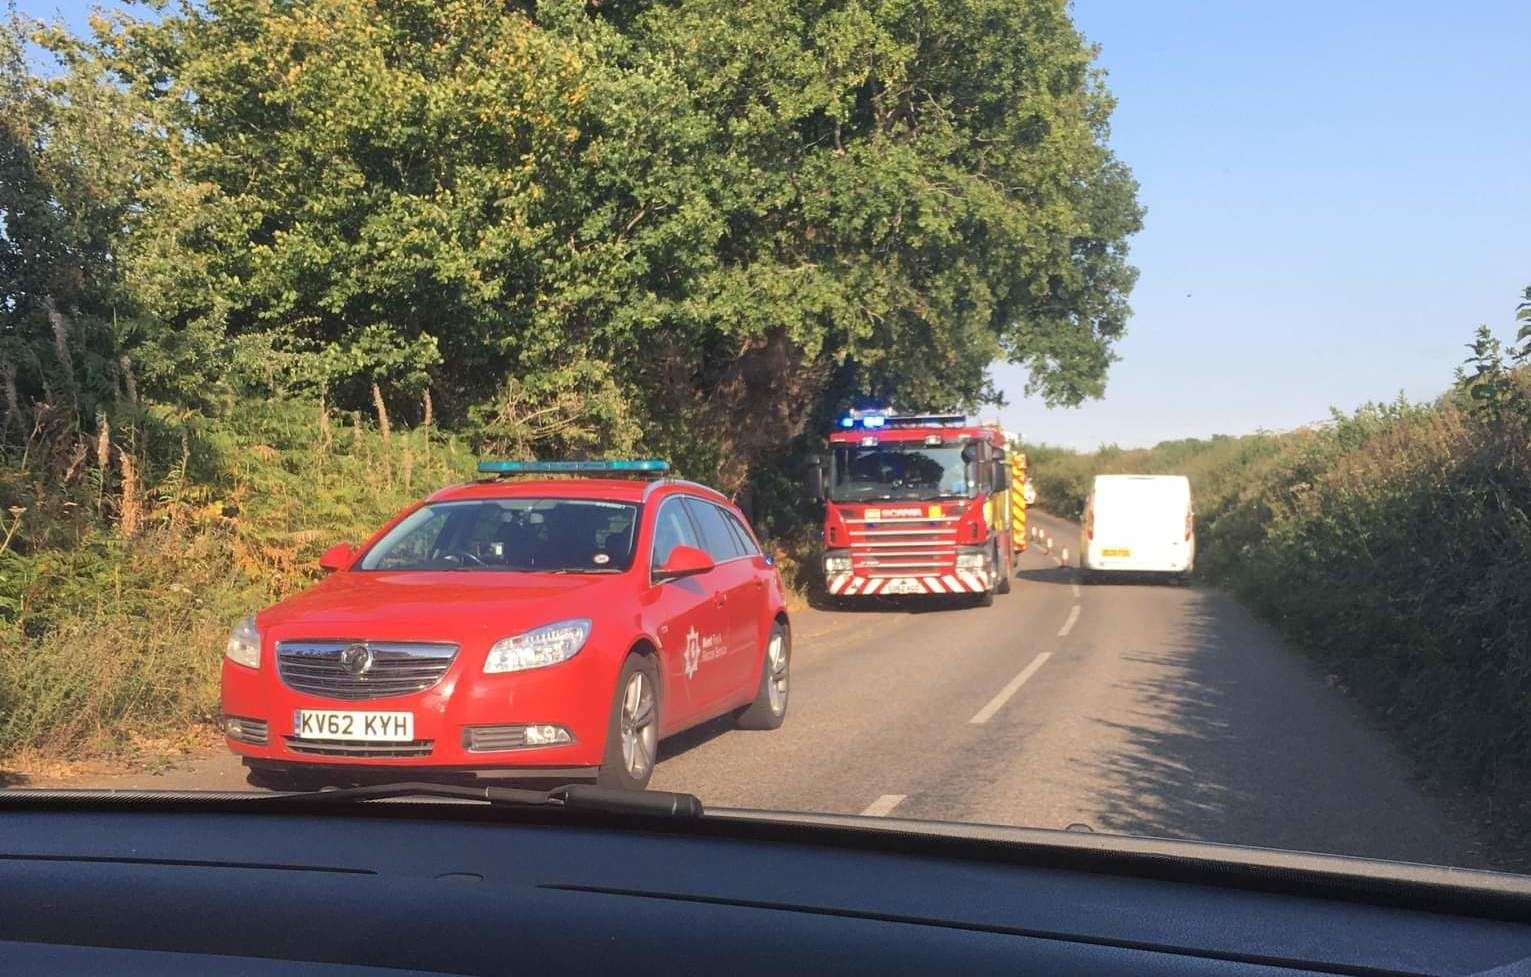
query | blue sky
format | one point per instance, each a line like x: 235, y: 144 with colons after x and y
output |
x: 1337, y: 194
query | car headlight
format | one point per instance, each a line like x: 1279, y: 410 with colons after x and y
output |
x: 837, y: 564
x: 973, y: 561
x: 244, y: 644
x: 547, y: 645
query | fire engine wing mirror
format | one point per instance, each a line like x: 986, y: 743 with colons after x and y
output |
x: 337, y: 557
x: 684, y: 561
x: 1001, y: 478
x: 813, y: 478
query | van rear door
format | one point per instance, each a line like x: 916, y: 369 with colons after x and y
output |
x: 1139, y: 523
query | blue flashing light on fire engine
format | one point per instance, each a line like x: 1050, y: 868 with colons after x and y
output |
x: 866, y: 418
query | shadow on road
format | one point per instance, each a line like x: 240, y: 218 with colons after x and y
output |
x: 928, y: 604
x: 1232, y: 738
x: 1049, y: 574
x: 696, y: 736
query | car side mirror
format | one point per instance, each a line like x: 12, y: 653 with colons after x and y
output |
x: 813, y: 478
x: 337, y: 557
x: 684, y: 561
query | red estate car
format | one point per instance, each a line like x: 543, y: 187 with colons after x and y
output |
x: 536, y: 629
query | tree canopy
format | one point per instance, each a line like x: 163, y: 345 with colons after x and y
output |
x: 693, y: 227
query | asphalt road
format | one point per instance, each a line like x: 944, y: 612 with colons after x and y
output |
x: 1136, y: 708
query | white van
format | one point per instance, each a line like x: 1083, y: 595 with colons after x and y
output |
x: 1141, y: 523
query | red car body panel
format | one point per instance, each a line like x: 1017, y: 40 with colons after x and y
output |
x: 731, y: 610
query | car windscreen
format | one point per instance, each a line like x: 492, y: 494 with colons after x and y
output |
x: 529, y: 535
x: 898, y: 471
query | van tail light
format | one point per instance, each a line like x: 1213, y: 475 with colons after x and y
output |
x: 1190, y: 524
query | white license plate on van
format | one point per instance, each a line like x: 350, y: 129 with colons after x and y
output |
x: 361, y: 727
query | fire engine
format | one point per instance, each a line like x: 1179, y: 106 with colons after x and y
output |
x: 915, y: 504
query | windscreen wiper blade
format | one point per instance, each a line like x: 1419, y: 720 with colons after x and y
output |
x: 570, y: 797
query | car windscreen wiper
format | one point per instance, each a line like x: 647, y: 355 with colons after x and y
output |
x: 571, y: 797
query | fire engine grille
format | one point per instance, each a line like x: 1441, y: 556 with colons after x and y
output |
x: 903, y: 547
x: 337, y: 670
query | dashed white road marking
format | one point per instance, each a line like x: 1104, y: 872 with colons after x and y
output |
x: 998, y: 702
x: 883, y: 806
x: 1076, y: 588
x: 1068, y: 625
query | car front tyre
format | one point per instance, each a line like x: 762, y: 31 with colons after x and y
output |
x: 632, y: 734
x: 770, y: 706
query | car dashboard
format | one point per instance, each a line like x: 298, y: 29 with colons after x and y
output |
x: 146, y: 885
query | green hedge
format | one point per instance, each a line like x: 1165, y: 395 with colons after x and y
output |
x: 1393, y: 544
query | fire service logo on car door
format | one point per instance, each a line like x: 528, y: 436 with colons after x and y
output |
x: 701, y: 648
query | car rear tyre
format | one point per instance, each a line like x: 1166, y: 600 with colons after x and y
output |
x: 770, y: 706
x: 632, y: 736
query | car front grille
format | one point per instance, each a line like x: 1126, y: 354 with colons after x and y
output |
x: 413, y: 748
x: 394, y: 667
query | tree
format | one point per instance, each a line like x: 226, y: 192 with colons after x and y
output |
x: 733, y: 217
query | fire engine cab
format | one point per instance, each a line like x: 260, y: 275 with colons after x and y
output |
x: 914, y: 504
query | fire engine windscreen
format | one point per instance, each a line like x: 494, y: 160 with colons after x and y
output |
x: 526, y: 535
x: 893, y: 470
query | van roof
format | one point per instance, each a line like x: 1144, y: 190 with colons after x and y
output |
x: 1142, y: 478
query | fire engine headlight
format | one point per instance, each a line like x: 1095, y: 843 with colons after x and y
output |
x: 244, y: 644
x: 837, y: 564
x: 973, y: 560
x: 547, y: 645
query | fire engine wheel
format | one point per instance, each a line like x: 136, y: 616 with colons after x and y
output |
x: 1003, y: 569
x: 769, y: 709
x: 632, y: 737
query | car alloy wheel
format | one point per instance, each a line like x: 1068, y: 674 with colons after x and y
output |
x: 639, y: 726
x: 776, y: 661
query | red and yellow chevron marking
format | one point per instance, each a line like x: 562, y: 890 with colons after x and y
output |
x: 1017, y: 501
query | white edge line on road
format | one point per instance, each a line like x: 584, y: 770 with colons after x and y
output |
x: 883, y: 806
x: 998, y: 702
x: 1068, y: 625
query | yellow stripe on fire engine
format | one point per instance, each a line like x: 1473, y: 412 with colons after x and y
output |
x: 1017, y: 501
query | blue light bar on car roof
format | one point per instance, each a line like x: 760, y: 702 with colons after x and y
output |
x: 574, y: 467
